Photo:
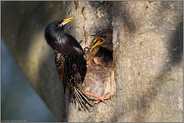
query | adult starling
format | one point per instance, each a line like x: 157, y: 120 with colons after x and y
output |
x: 69, y: 60
x: 103, y: 38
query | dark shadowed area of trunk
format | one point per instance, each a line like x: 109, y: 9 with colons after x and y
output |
x: 145, y: 79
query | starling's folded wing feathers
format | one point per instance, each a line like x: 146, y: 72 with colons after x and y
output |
x: 81, y: 98
x: 78, y: 50
x: 74, y: 84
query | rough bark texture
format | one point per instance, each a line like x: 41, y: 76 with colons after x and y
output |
x: 147, y: 43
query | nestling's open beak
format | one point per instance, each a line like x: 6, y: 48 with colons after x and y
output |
x: 67, y: 20
x: 100, y: 41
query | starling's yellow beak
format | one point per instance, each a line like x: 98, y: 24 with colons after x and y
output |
x: 100, y: 41
x: 67, y: 20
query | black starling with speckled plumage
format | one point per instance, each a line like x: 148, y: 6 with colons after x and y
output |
x: 69, y: 59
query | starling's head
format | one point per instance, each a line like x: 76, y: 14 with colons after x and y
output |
x: 103, y: 38
x: 54, y: 30
x: 99, y: 42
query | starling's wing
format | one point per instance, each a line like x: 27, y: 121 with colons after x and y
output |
x: 77, y: 94
x: 80, y: 63
x: 78, y: 50
x: 73, y: 42
x: 60, y: 60
x: 73, y: 70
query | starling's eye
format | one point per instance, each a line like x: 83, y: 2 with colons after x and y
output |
x: 58, y: 25
x: 104, y: 36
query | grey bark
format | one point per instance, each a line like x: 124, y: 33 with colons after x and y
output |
x: 146, y: 79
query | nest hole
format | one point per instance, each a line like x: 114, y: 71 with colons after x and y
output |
x: 100, y: 71
x: 105, y: 56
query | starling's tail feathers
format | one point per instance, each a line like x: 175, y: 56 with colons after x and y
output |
x: 81, y: 99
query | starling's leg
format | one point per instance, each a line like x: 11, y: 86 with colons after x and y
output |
x: 105, y: 97
x: 100, y: 98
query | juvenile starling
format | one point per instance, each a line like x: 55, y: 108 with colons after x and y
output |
x: 103, y: 38
x: 69, y: 60
x: 101, y: 49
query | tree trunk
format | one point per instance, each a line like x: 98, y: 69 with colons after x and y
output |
x: 145, y: 81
